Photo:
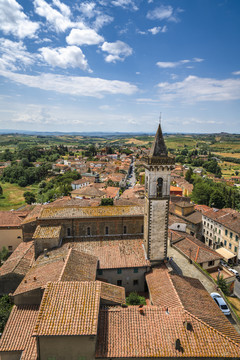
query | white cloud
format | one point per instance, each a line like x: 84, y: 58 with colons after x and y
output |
x: 88, y: 9
x: 164, y: 13
x: 155, y: 30
x: 125, y: 4
x: 73, y: 85
x: 174, y: 64
x: 236, y: 73
x: 14, y: 55
x: 117, y: 51
x: 14, y: 21
x: 194, y: 89
x: 85, y: 36
x: 102, y: 20
x: 60, y: 20
x: 70, y: 56
x: 106, y: 108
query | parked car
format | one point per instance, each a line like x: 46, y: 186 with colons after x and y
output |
x: 234, y: 271
x: 221, y: 303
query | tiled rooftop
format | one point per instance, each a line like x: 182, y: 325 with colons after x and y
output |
x: 12, y: 218
x: 34, y: 214
x: 69, y: 308
x: 226, y: 217
x: 126, y: 333
x: 161, y: 288
x: 113, y: 293
x: 77, y: 212
x: 20, y: 260
x: 61, y: 264
x: 47, y: 232
x: 18, y: 331
x: 193, y: 247
x: 189, y: 294
x: 116, y: 253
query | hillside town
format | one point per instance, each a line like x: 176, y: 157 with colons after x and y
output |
x: 124, y: 264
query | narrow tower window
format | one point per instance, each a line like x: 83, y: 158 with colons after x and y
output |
x: 124, y: 229
x: 159, y: 187
x: 106, y: 230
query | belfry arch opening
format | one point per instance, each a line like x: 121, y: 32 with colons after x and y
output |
x: 159, y: 187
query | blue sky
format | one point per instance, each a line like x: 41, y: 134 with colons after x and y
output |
x: 114, y: 65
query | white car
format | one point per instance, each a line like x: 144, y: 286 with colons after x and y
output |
x: 234, y: 271
x: 221, y: 303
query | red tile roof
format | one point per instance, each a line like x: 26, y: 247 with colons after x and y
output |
x: 114, y: 254
x: 113, y: 293
x: 161, y: 288
x: 20, y: 260
x: 193, y: 247
x: 126, y: 333
x: 18, y: 331
x: 69, y: 308
x: 12, y: 218
x: 61, y: 264
x: 227, y: 217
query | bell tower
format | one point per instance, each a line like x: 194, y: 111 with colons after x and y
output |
x: 158, y: 166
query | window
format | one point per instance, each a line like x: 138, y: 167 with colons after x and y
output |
x: 135, y: 282
x: 135, y: 270
x: 230, y: 246
x: 225, y: 242
x: 204, y: 222
x: 142, y: 229
x: 119, y: 271
x: 159, y: 187
x: 231, y: 235
x: 100, y: 272
x: 215, y: 229
x: 106, y: 230
x: 119, y: 282
x: 235, y: 248
x: 211, y: 263
x: 68, y: 232
x: 124, y: 229
x: 219, y: 231
x: 10, y: 248
x: 215, y: 237
x: 236, y: 238
x: 210, y: 234
x: 211, y: 226
x: 88, y: 231
x: 226, y: 232
x: 207, y: 232
x: 19, y: 237
x: 203, y: 230
x: 218, y: 240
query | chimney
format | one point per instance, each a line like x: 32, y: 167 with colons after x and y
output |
x: 141, y: 309
x: 178, y: 345
x: 188, y: 325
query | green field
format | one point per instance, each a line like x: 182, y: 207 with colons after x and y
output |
x: 12, y: 197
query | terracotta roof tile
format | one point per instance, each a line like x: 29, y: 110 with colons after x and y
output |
x: 61, y: 264
x: 20, y: 260
x: 34, y: 214
x: 199, y: 251
x: 77, y: 212
x: 114, y: 254
x: 47, y: 232
x: 197, y: 301
x: 113, y: 293
x: 69, y: 308
x: 12, y: 218
x: 161, y: 288
x: 226, y: 217
x: 126, y: 333
x: 18, y: 331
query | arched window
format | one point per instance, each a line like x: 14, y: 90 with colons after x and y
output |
x: 106, y: 230
x: 159, y: 187
x: 124, y: 229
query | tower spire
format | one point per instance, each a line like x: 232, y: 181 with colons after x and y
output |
x: 158, y: 147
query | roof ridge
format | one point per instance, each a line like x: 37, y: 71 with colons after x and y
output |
x: 65, y: 263
x: 47, y: 289
x: 197, y: 254
x: 200, y: 246
x: 211, y: 327
x: 174, y: 289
